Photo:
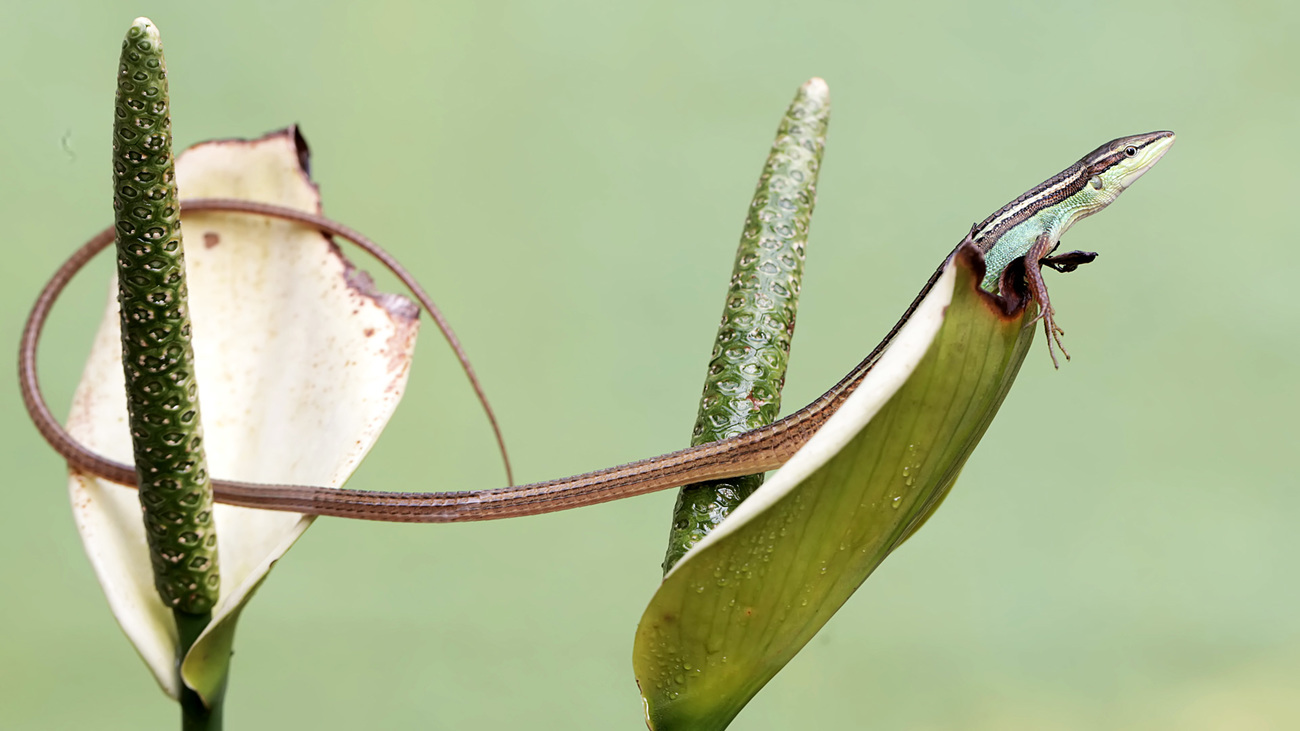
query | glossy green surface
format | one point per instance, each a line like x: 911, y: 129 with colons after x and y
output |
x: 743, y: 388
x: 567, y: 179
x: 737, y: 610
x: 157, y: 355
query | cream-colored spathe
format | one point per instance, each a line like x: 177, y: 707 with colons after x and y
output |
x: 299, y: 367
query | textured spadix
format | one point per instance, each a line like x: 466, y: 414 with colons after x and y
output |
x: 299, y: 365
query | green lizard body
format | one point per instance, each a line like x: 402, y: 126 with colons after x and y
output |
x: 1032, y: 225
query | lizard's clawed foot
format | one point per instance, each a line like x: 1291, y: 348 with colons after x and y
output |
x: 1053, y: 332
x: 1034, y: 277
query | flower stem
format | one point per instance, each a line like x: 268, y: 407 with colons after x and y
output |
x: 195, y: 714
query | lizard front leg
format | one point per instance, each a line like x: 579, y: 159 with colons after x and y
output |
x: 1038, y: 288
x: 1069, y: 261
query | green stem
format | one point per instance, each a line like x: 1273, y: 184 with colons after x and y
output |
x: 743, y: 387
x: 195, y: 714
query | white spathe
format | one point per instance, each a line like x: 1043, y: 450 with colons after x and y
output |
x: 299, y: 366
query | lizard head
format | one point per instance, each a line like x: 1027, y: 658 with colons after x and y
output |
x: 1117, y: 164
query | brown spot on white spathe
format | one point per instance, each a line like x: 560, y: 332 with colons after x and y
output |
x: 398, y: 348
x: 211, y: 239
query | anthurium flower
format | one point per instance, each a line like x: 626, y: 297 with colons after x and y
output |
x: 745, y: 599
x: 300, y: 363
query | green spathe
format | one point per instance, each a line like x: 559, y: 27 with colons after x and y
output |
x: 739, y: 606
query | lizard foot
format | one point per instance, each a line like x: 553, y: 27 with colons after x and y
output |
x: 1038, y: 288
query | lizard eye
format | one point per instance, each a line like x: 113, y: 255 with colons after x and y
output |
x: 1096, y: 182
x: 1130, y: 150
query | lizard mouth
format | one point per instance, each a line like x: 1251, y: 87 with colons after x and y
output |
x: 1149, y: 156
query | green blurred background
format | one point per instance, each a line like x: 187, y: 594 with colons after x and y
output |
x: 569, y: 180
